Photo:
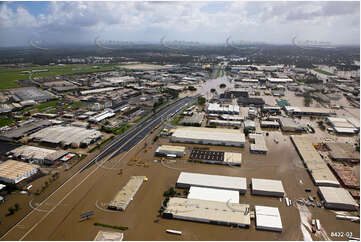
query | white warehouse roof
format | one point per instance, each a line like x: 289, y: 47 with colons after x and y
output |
x: 268, y: 218
x: 337, y: 198
x: 212, y: 194
x: 187, y: 179
x: 212, y: 136
x: 267, y: 187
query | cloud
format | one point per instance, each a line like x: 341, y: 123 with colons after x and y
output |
x: 273, y: 22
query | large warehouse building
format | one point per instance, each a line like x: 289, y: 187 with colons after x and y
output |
x: 267, y: 187
x: 37, y: 154
x: 231, y: 214
x: 316, y: 166
x: 212, y: 194
x: 268, y: 218
x: 13, y: 172
x: 337, y: 198
x: 187, y: 179
x: 127, y: 193
x: 259, y: 145
x: 209, y: 136
x: 67, y: 136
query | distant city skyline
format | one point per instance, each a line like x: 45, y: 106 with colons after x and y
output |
x: 205, y: 22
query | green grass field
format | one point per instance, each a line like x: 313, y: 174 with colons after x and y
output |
x: 6, y: 121
x: 324, y: 72
x: 52, y: 105
x: 9, y: 76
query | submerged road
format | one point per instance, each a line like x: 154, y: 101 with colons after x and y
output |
x: 123, y: 143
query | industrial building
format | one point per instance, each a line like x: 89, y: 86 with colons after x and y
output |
x: 126, y: 194
x: 170, y: 150
x: 231, y: 117
x: 309, y: 111
x: 250, y: 124
x: 13, y: 172
x: 225, y: 123
x: 342, y: 125
x: 230, y: 214
x: 259, y: 145
x: 97, y: 91
x: 66, y: 136
x: 37, y: 154
x: 316, y: 166
x: 31, y: 93
x: 212, y: 194
x: 108, y: 236
x: 222, y: 109
x: 268, y: 218
x: 216, y: 157
x: 343, y: 152
x: 27, y: 128
x: 108, y: 113
x: 271, y: 110
x: 269, y: 124
x: 267, y: 187
x: 195, y: 120
x: 279, y: 80
x: 250, y: 101
x: 346, y: 175
x: 209, y: 136
x: 337, y: 198
x: 187, y: 179
x: 289, y: 125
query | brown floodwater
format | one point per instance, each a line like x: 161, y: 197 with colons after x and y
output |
x: 92, y: 189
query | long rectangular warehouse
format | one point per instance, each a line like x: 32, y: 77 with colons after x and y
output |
x: 165, y: 150
x: 337, y: 198
x: 267, y: 187
x: 209, y: 136
x: 212, y: 194
x: 316, y: 166
x: 231, y: 214
x: 187, y: 179
x: 126, y: 194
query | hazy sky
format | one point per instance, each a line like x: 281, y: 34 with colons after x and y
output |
x: 271, y: 22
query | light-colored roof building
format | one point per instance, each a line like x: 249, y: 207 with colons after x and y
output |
x: 37, y: 154
x: 337, y: 198
x: 127, y: 193
x: 316, y: 166
x: 67, y: 135
x: 267, y: 187
x: 212, y: 194
x: 268, y: 218
x: 108, y: 236
x: 13, y: 172
x: 179, y: 151
x: 187, y: 179
x: 210, y: 136
x: 231, y: 214
x: 259, y: 145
